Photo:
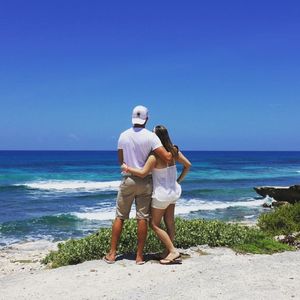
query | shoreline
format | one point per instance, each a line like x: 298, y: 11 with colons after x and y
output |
x: 206, y: 273
x: 25, y: 256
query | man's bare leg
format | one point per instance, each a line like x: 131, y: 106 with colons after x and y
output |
x: 115, y: 236
x: 142, y: 225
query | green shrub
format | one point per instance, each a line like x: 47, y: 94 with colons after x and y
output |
x: 214, y: 233
x: 188, y: 233
x: 73, y: 251
x: 282, y: 220
x: 258, y: 242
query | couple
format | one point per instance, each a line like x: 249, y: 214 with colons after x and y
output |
x: 142, y: 152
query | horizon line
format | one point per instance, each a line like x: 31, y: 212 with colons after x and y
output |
x: 115, y: 150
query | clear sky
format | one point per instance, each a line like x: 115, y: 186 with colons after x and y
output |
x: 221, y: 75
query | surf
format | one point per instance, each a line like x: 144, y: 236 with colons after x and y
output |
x: 71, y: 185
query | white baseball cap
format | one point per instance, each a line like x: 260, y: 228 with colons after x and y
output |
x: 139, y: 115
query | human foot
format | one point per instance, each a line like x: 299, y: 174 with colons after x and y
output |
x: 110, y: 258
x: 139, y: 260
x: 171, y: 258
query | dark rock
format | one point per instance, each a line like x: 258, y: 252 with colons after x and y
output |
x: 267, y: 205
x: 279, y: 203
x: 290, y: 239
x: 281, y: 193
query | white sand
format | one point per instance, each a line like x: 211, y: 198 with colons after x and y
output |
x: 220, y: 274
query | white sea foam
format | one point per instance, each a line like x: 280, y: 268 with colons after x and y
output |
x: 100, y: 215
x: 249, y: 217
x: 72, y: 185
x: 186, y: 206
x: 183, y: 206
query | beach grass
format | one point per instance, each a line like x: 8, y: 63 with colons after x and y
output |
x: 282, y: 220
x: 261, y: 244
x: 189, y: 233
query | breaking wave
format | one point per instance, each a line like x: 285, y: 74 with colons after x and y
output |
x: 183, y: 206
x: 72, y: 185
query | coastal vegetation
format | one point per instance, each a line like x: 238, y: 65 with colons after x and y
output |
x: 189, y: 233
x: 283, y: 220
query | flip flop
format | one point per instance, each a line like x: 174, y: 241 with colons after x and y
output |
x: 170, y: 262
x: 110, y: 262
x: 139, y: 263
x: 176, y: 260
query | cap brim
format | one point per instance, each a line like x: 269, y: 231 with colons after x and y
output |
x: 138, y: 121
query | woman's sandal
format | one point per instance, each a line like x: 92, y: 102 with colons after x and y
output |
x: 176, y: 260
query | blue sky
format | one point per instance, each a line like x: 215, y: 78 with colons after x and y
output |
x: 221, y: 75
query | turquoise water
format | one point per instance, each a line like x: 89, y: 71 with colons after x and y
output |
x: 62, y: 194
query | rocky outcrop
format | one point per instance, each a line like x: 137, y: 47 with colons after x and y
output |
x: 274, y: 203
x: 292, y: 239
x: 289, y: 194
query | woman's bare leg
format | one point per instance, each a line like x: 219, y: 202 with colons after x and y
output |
x: 157, y: 215
x: 169, y: 221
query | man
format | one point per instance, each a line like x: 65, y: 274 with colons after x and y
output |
x: 134, y: 146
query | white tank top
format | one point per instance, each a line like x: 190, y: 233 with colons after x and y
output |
x: 165, y: 186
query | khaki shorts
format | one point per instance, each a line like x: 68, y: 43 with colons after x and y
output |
x: 138, y: 189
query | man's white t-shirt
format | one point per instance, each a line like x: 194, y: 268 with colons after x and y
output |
x: 136, y: 144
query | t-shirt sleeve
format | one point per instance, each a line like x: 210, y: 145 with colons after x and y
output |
x: 121, y: 142
x: 155, y: 142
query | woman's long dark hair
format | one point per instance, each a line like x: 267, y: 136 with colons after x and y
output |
x: 162, y: 132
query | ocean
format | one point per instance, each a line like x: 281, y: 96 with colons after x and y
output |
x: 57, y: 195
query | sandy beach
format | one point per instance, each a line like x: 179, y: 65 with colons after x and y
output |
x: 205, y: 273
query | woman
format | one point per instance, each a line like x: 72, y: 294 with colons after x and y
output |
x: 166, y: 190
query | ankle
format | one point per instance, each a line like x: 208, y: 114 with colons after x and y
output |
x: 112, y: 253
x: 139, y: 256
